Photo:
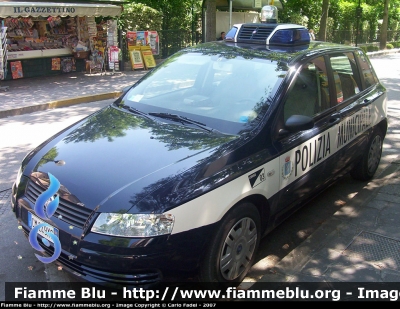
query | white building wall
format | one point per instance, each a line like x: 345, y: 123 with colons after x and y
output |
x: 222, y: 20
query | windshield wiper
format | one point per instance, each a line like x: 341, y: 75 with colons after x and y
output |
x: 136, y: 111
x: 184, y: 120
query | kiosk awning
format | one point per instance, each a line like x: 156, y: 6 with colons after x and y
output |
x: 45, y: 9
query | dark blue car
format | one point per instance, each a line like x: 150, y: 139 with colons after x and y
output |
x: 184, y: 173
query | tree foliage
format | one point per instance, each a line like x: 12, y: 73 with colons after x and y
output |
x: 137, y: 16
x: 324, y: 16
x: 174, y: 14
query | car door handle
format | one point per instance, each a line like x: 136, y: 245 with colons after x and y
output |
x: 365, y: 102
x: 335, y: 118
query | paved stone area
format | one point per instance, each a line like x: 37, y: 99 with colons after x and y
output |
x: 5, y: 201
x: 28, y: 95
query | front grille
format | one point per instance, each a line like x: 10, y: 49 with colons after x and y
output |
x: 135, y: 278
x: 70, y: 213
x: 256, y: 32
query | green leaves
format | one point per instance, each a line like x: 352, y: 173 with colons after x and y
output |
x: 137, y: 16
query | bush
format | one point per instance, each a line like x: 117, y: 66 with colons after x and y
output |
x: 389, y: 46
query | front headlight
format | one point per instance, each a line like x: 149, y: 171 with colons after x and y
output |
x: 134, y: 225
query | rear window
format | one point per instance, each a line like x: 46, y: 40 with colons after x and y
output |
x: 368, y: 72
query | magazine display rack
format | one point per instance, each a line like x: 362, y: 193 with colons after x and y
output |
x: 3, y: 56
x: 97, y: 65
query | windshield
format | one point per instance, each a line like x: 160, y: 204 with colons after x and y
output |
x: 214, y: 89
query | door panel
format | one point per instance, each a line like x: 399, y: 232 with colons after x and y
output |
x: 307, y: 158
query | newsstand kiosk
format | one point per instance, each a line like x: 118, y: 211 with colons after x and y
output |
x: 49, y: 38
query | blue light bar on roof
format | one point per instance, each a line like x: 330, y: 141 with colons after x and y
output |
x: 290, y: 37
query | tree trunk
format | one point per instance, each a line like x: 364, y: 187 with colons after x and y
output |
x: 384, y: 27
x: 210, y: 22
x: 324, y: 21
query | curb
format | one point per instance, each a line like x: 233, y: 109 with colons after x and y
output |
x: 60, y: 103
x: 383, y: 52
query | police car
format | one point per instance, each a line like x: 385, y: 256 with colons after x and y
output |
x: 184, y: 173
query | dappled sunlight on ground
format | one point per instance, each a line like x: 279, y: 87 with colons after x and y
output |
x: 39, y: 90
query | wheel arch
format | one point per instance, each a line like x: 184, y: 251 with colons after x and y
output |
x: 383, y: 126
x: 263, y: 207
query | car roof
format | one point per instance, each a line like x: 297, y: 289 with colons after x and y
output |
x: 287, y: 54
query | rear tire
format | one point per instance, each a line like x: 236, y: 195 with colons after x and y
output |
x: 232, y: 252
x: 367, y: 166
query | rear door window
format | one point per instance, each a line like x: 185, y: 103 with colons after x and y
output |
x: 346, y: 77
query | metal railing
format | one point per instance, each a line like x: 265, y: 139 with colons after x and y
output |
x: 170, y: 41
x: 364, y: 36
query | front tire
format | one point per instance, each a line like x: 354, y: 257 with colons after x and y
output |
x: 367, y: 166
x: 231, y: 255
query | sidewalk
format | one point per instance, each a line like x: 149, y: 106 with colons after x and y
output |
x: 28, y: 95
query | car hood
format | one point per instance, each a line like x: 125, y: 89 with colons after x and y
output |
x: 113, y: 159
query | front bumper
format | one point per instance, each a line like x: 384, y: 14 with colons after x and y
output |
x: 122, y: 261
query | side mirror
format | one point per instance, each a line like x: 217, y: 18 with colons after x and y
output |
x: 297, y: 123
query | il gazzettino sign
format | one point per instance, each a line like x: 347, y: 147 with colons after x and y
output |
x: 45, y: 9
